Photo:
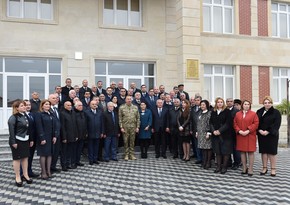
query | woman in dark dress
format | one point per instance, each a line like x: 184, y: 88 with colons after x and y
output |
x: 268, y: 134
x: 222, y: 142
x: 19, y: 141
x: 145, y: 129
x: 46, y: 137
x: 183, y: 122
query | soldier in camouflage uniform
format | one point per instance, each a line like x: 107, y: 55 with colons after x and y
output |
x: 129, y: 120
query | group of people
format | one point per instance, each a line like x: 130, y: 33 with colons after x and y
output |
x: 73, y: 116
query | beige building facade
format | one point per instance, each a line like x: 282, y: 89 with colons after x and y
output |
x: 238, y: 48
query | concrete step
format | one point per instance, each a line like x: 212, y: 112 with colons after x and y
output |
x: 4, y: 137
x: 4, y: 142
x: 4, y: 148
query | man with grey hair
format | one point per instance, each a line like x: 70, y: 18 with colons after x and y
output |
x: 111, y: 132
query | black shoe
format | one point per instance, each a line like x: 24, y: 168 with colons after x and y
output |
x: 164, y: 156
x: 91, y: 163
x: 198, y: 162
x: 74, y: 166
x: 96, y: 162
x: 54, y: 170
x: 69, y: 167
x: 217, y: 170
x: 18, y: 184
x: 115, y: 160
x: 157, y: 156
x: 175, y: 156
x: 246, y: 172
x: 235, y: 167
x: 224, y: 170
x: 28, y: 181
x: 64, y: 169
x: 33, y: 175
x: 250, y: 175
x: 106, y: 160
x: 80, y: 164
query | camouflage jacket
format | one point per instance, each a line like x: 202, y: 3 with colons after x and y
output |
x: 129, y: 116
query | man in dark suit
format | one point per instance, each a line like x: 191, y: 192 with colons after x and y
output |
x: 109, y: 94
x: 167, y: 102
x: 118, y: 88
x: 137, y: 100
x: 68, y: 137
x: 151, y: 100
x: 161, y: 90
x: 57, y: 90
x: 53, y: 99
x: 194, y: 113
x: 159, y: 126
x: 86, y: 100
x: 111, y: 132
x: 84, y: 89
x: 95, y: 131
x: 35, y: 102
x: 144, y: 93
x: 122, y: 97
x: 181, y: 90
x: 135, y: 89
x: 99, y: 88
x: 65, y: 89
x: 102, y: 102
x: 236, y: 161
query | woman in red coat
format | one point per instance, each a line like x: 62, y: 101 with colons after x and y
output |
x: 246, y: 123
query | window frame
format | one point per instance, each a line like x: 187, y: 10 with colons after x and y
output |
x: 278, y: 12
x: 115, y: 25
x: 280, y: 78
x: 224, y: 75
x: 224, y: 7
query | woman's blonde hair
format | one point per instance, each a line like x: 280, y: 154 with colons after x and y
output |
x: 16, y: 105
x: 268, y: 98
x: 224, y: 104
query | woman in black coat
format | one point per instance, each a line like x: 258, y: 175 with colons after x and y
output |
x: 222, y: 142
x: 268, y: 134
x: 46, y: 137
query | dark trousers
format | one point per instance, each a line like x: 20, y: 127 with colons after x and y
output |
x: 56, y: 153
x: 79, y: 149
x: 101, y: 146
x: 110, y: 147
x: 63, y: 155
x: 198, y: 151
x: 144, y: 145
x: 160, y: 140
x: 93, y: 149
x: 193, y: 145
x: 71, y: 153
x: 176, y: 143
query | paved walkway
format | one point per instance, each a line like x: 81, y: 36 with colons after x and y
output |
x: 151, y: 181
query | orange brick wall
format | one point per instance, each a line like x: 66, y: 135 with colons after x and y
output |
x: 246, y: 82
x: 262, y: 18
x: 245, y: 17
x: 264, y: 82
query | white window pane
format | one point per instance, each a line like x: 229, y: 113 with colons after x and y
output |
x: 206, y: 18
x: 14, y: 8
x: 218, y: 86
x: 228, y: 20
x: 283, y: 72
x: 228, y: 2
x: 135, y: 18
x: 1, y: 90
x: 54, y: 80
x: 275, y: 92
x: 274, y: 7
x: 100, y: 68
x: 46, y: 9
x: 229, y: 88
x: 283, y: 25
x: 217, y: 1
x: 275, y: 72
x: 274, y: 25
x: 108, y: 16
x: 218, y: 69
x: 120, y: 68
x: 207, y: 69
x: 229, y: 70
x: 122, y: 17
x: 207, y: 88
x: 30, y: 9
x: 282, y: 7
x: 108, y: 4
x: 283, y: 88
x: 217, y: 19
x: 207, y: 1
x: 135, y: 5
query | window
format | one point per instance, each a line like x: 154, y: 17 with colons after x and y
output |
x: 218, y: 16
x: 280, y: 77
x: 138, y: 72
x: 30, y: 9
x: 219, y: 81
x: 122, y: 13
x: 280, y: 20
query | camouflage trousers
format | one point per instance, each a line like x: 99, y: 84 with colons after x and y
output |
x: 129, y: 141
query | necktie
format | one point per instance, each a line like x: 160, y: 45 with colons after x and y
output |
x: 113, y: 117
x: 55, y: 111
x: 94, y: 111
x: 152, y: 99
x: 159, y: 112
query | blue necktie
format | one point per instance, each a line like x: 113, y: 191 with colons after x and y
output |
x: 113, y: 117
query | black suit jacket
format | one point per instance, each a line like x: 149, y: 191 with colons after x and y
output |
x: 68, y: 126
x: 82, y: 92
x: 103, y: 92
x: 34, y: 105
x: 186, y: 95
x: 32, y: 126
x: 65, y: 91
x: 110, y: 128
x: 159, y: 122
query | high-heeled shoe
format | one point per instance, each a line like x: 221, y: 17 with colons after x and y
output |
x: 263, y: 173
x: 18, y: 184
x: 28, y: 181
x: 245, y: 172
x: 217, y: 170
x: 273, y: 175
